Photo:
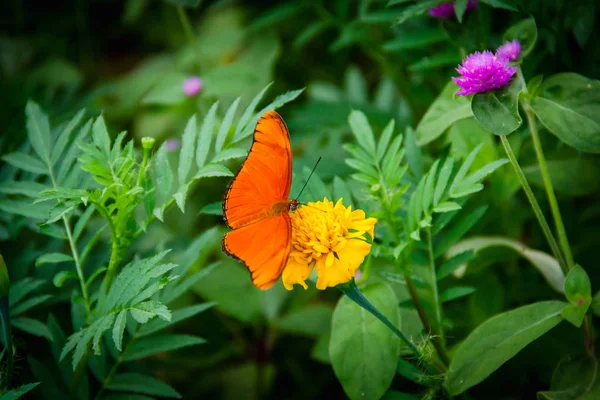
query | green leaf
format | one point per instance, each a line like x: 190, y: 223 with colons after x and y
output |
x: 168, y: 91
x: 185, y: 3
x: 26, y: 188
x: 385, y: 138
x: 443, y: 180
x: 101, y: 137
x: 229, y: 154
x: 16, y: 393
x: 413, y: 10
x: 63, y: 276
x: 446, y: 206
x: 24, y: 208
x: 143, y: 312
x: 454, y: 293
x: 575, y: 377
x: 177, y: 316
x: 416, y: 40
x: 189, y: 281
x: 29, y: 304
x: 158, y: 344
x: 363, y: 351
x: 61, y: 210
x: 164, y: 174
x: 213, y: 170
x: 356, y: 86
x: 311, y: 321
x: 498, y: 110
x: 138, y: 383
x: 226, y: 125
x: 186, y: 156
x: 249, y: 111
x: 575, y: 176
x: 543, y: 262
x: 310, y: 32
x: 119, y: 329
x: 444, y: 111
x: 460, y: 6
x: 25, y: 162
x: 498, y: 340
x: 525, y: 32
x: 499, y: 4
x: 20, y: 289
x: 212, y: 209
x: 63, y: 138
x: 458, y: 230
x: 32, y: 326
x: 454, y: 262
x: 52, y: 258
x: 362, y: 131
x: 38, y: 131
x: 449, y: 57
x: 578, y: 291
x: 570, y: 100
x: 205, y: 136
x: 484, y: 171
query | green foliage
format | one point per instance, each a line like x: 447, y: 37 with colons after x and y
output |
x: 363, y: 351
x: 498, y: 111
x: 497, y: 340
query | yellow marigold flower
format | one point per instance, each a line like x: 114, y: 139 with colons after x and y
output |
x: 332, y: 237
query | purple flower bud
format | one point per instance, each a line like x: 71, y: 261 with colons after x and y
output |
x: 192, y: 86
x: 173, y: 144
x: 482, y: 72
x: 509, y: 50
x: 446, y: 10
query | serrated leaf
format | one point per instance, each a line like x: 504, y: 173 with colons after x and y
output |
x: 247, y: 115
x: 177, y: 316
x: 158, y: 344
x: 119, y: 329
x: 205, y: 136
x: 228, y: 154
x: 186, y: 155
x: 164, y: 174
x: 52, y: 258
x: 101, y: 137
x: 63, y: 138
x: 465, y: 190
x: 143, y: 312
x: 362, y: 131
x: 61, y: 209
x: 443, y: 180
x: 16, y: 393
x: 429, y: 187
x: 226, y: 125
x: 82, y: 222
x: 212, y: 209
x: 26, y: 188
x: 24, y: 208
x: 385, y: 138
x: 25, y: 162
x: 464, y: 168
x: 138, y: 383
x: 38, y: 131
x: 213, y: 170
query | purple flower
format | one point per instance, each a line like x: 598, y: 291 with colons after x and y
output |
x: 482, y: 72
x: 446, y: 10
x: 173, y: 144
x: 192, y: 86
x: 509, y: 50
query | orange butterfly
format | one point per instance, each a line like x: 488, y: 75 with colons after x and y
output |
x: 256, y: 204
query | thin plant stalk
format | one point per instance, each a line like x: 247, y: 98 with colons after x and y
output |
x: 534, y: 205
x: 539, y: 152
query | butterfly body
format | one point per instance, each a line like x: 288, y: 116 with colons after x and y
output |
x: 256, y: 204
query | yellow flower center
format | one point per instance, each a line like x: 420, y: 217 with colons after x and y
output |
x: 332, y: 237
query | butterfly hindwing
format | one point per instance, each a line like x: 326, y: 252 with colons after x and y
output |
x: 263, y: 247
x: 265, y: 177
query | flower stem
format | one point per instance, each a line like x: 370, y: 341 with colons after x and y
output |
x: 558, y: 222
x: 534, y: 205
x: 440, y: 344
x: 351, y: 290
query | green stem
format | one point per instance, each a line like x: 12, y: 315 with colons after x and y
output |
x: 185, y: 23
x: 534, y: 205
x: 76, y: 259
x: 351, y: 290
x: 439, y: 330
x: 558, y: 222
x: 115, y: 259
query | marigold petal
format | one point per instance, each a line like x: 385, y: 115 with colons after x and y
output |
x: 296, y: 273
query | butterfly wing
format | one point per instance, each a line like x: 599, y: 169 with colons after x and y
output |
x: 265, y: 177
x: 263, y: 246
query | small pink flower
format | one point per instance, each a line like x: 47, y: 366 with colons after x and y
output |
x: 446, y: 10
x: 509, y: 50
x: 482, y: 72
x: 173, y: 144
x: 192, y: 86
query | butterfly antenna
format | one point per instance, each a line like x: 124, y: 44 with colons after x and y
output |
x: 307, y: 179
